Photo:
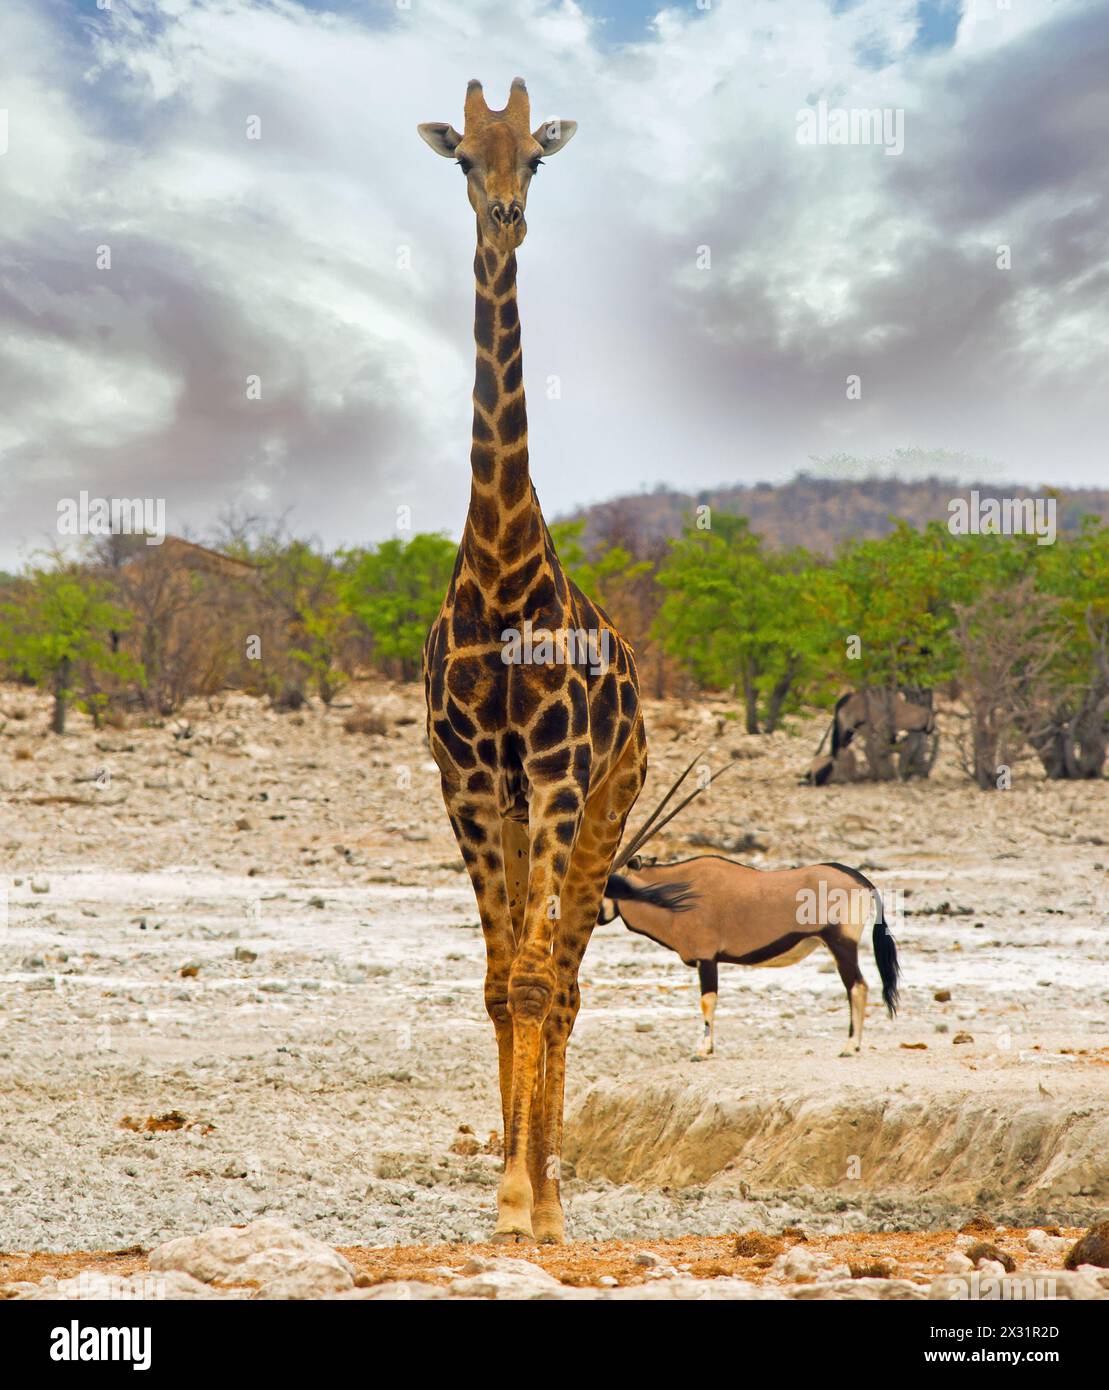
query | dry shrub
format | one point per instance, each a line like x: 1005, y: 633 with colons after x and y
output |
x: 366, y: 721
x: 751, y: 1244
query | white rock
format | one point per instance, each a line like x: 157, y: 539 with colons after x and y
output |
x: 994, y: 1268
x: 293, y: 1274
x: 1050, y: 1248
x: 692, y: 1291
x: 221, y: 1252
x: 501, y: 1283
x: 505, y: 1264
x: 648, y: 1259
x: 399, y: 1290
x: 40, y: 884
x: 853, y: 1290
x: 151, y: 1287
x: 800, y: 1265
x: 957, y: 1263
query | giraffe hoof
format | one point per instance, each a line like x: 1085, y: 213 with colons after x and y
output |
x: 513, y: 1235
x: 550, y: 1230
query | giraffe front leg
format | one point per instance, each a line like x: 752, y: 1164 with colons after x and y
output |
x: 493, y: 860
x: 531, y: 988
x: 597, y: 842
x: 530, y: 991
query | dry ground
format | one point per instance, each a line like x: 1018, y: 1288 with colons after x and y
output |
x: 241, y: 975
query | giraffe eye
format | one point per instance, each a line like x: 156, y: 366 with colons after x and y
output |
x: 464, y: 164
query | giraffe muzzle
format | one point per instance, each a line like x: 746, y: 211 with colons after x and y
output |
x: 507, y: 214
x: 507, y: 227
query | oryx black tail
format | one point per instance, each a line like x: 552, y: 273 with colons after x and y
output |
x: 885, y: 956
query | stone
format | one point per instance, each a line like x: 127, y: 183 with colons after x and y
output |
x: 399, y: 1289
x: 95, y: 1285
x: 291, y: 1274
x: 221, y: 1252
x: 802, y: 1265
x: 648, y: 1259
x: 1052, y: 1249
x: 508, y: 1283
x: 870, y: 1290
x: 503, y: 1264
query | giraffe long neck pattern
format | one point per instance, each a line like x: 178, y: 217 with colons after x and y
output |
x: 504, y: 527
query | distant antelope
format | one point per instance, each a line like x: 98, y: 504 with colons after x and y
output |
x: 860, y: 710
x: 710, y: 909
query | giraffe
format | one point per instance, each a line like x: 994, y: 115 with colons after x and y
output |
x: 533, y: 709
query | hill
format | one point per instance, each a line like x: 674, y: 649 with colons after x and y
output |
x: 817, y: 513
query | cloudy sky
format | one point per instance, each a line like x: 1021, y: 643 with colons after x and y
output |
x: 331, y: 257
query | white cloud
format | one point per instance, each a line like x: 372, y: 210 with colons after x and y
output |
x: 280, y: 256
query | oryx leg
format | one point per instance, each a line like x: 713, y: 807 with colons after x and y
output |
x: 844, y: 947
x: 709, y: 973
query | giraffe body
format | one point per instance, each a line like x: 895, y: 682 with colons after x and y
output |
x: 533, y: 704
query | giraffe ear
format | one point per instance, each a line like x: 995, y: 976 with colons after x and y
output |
x: 442, y: 138
x: 552, y: 135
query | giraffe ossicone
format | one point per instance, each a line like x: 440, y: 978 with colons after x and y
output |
x: 540, y: 760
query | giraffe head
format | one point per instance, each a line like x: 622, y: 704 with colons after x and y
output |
x: 499, y: 155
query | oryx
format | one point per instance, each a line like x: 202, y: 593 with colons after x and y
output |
x: 710, y: 909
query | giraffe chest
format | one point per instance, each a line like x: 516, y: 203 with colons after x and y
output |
x: 516, y: 704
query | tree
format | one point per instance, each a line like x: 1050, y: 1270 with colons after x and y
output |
x: 1071, y: 737
x: 395, y: 591
x: 735, y: 615
x: 307, y: 588
x: 1008, y: 641
x: 57, y: 632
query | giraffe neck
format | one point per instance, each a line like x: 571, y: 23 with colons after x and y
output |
x: 504, y: 526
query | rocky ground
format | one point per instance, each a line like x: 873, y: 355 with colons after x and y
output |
x: 240, y: 979
x: 269, y: 1260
